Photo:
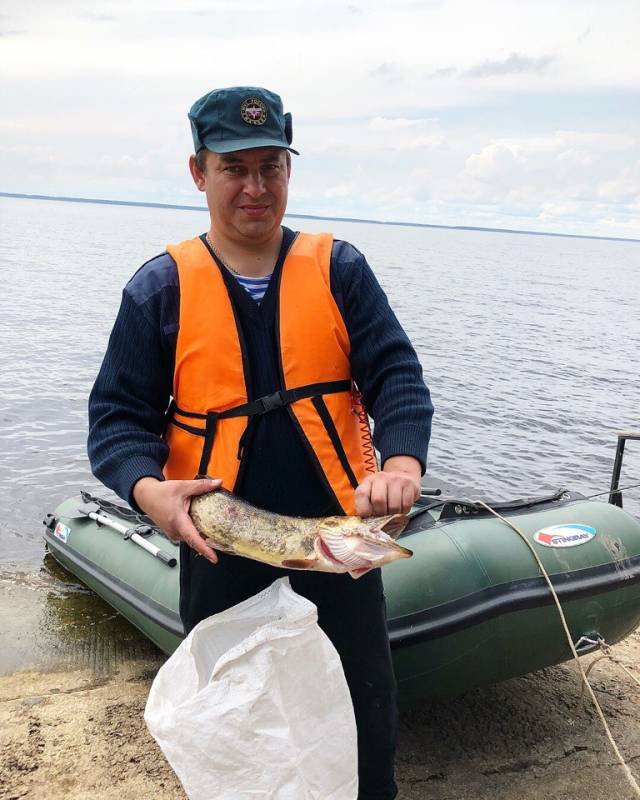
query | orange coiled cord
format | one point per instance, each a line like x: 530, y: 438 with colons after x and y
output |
x: 368, y: 450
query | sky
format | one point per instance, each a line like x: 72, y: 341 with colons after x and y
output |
x: 492, y: 113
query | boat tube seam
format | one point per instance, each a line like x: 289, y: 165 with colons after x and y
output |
x: 494, y: 601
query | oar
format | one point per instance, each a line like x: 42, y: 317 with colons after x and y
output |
x: 92, y: 510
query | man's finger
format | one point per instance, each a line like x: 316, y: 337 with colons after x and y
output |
x: 394, y: 497
x: 190, y: 536
x: 202, y: 486
x: 408, y: 498
x: 198, y: 544
x: 379, y: 494
x: 363, y: 500
x: 198, y: 487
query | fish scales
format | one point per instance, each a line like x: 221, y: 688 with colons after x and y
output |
x: 327, y: 544
x: 235, y: 524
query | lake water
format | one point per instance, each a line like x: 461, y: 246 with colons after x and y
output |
x: 530, y: 346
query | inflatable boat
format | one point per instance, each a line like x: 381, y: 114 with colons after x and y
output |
x: 468, y: 609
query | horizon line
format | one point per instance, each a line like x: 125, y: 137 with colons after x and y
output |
x: 141, y: 204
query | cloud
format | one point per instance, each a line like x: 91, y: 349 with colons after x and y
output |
x: 444, y: 72
x: 513, y: 64
x: 92, y: 16
x: 585, y: 33
x: 559, y: 182
x: 359, y: 139
x: 393, y: 124
x: 385, y: 70
x: 6, y: 34
x: 427, y: 119
x: 625, y: 188
x: 546, y: 160
x: 340, y: 191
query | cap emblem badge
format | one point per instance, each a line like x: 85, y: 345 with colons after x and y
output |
x: 253, y: 111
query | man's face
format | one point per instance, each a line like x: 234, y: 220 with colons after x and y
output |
x: 246, y: 192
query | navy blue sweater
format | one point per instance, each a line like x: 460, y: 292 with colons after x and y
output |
x: 132, y: 391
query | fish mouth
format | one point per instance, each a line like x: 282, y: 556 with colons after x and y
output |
x: 360, y: 552
x: 325, y: 551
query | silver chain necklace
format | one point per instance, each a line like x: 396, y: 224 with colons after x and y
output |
x: 218, y: 256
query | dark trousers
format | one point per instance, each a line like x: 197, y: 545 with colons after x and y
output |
x: 351, y: 613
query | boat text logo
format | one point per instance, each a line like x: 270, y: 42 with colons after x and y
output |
x: 61, y: 532
x: 569, y: 535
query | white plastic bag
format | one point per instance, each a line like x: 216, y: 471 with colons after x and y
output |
x: 254, y: 704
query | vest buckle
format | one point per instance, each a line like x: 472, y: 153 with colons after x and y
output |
x: 272, y: 401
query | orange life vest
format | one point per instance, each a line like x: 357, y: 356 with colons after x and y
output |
x: 211, y: 409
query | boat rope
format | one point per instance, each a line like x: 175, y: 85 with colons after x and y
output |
x: 629, y: 775
x: 606, y: 653
x: 122, y: 511
x: 615, y: 491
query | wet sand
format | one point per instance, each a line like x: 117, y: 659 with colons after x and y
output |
x: 71, y: 725
x: 78, y: 734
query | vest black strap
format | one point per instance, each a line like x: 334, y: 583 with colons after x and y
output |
x: 262, y: 405
x: 323, y: 412
x: 207, y: 447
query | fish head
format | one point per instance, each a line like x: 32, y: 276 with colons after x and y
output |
x: 357, y: 545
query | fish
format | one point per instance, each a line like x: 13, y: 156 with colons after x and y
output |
x: 326, y: 544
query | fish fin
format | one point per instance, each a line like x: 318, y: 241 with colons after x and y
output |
x: 358, y: 573
x: 392, y: 525
x: 299, y: 563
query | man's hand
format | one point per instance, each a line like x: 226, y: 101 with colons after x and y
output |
x: 167, y: 503
x: 392, y: 491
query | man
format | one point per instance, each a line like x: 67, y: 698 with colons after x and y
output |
x: 259, y: 336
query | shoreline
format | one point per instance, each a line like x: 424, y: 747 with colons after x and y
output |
x: 78, y: 733
x: 406, y: 224
x: 74, y: 680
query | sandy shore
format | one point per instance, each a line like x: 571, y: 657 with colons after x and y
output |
x: 77, y: 734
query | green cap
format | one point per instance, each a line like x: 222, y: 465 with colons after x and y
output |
x: 240, y: 118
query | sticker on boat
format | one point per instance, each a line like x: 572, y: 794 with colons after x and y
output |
x: 569, y: 535
x: 61, y: 532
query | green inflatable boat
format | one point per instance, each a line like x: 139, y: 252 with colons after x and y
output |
x: 470, y: 608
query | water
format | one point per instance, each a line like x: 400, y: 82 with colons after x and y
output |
x: 529, y: 345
